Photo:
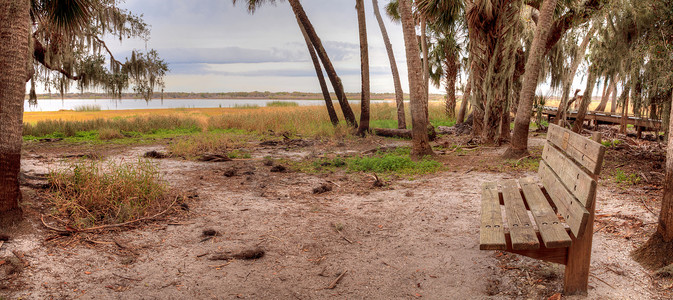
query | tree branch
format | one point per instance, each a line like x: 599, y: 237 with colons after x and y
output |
x: 570, y: 18
x: 39, y: 56
x: 106, y: 49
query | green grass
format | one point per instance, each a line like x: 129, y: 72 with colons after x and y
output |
x: 393, y: 162
x: 116, y: 137
x: 87, y: 107
x: 90, y: 193
x: 282, y: 104
x: 625, y: 178
x: 611, y: 143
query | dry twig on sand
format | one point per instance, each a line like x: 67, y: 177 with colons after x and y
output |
x: 336, y: 281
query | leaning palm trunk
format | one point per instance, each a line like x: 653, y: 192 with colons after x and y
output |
x: 399, y: 94
x: 586, y: 101
x: 14, y: 33
x: 364, y: 68
x: 568, y: 79
x: 321, y: 78
x: 519, y: 145
x: 419, y: 120
x: 327, y: 63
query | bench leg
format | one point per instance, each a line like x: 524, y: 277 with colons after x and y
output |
x: 576, y: 279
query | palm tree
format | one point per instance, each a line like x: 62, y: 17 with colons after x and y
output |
x: 14, y: 32
x: 327, y: 63
x: 300, y: 14
x: 419, y: 121
x: 519, y: 145
x: 321, y: 78
x: 364, y: 68
x: 399, y: 94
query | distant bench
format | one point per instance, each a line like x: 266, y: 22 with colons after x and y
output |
x: 562, y: 210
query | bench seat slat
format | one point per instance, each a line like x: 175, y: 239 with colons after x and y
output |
x: 491, y: 234
x: 521, y: 229
x: 576, y: 180
x: 574, y: 213
x: 552, y: 232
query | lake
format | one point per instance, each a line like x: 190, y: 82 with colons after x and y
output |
x: 126, y: 104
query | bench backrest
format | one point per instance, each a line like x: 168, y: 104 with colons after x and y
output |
x: 569, y: 170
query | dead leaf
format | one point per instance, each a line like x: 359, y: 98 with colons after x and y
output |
x: 556, y: 296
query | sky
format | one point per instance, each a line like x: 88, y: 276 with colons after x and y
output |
x: 214, y: 46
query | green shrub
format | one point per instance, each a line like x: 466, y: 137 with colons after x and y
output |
x: 622, y: 177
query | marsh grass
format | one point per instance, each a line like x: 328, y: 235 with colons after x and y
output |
x: 90, y: 193
x: 246, y: 106
x: 282, y: 104
x: 305, y: 121
x: 87, y: 107
x: 146, y: 124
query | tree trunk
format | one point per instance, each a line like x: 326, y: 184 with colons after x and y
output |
x: 625, y: 109
x: 570, y: 76
x: 451, y: 73
x: 463, y: 103
x: 613, y: 104
x: 665, y: 227
x: 402, y: 133
x: 14, y: 34
x: 519, y: 145
x: 364, y: 68
x: 426, y: 66
x: 586, y: 101
x: 327, y: 63
x: 606, y: 96
x: 419, y: 120
x: 399, y: 94
x: 321, y: 78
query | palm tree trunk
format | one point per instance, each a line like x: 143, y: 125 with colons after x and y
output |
x: 519, y: 145
x: 426, y: 65
x: 327, y: 63
x: 14, y: 33
x: 419, y: 121
x: 586, y: 101
x: 463, y: 103
x: 364, y: 67
x: 451, y: 73
x: 399, y: 94
x: 321, y: 78
x: 568, y: 81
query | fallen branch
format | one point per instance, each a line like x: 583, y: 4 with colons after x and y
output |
x: 336, y: 281
x: 111, y: 225
x: 601, y: 280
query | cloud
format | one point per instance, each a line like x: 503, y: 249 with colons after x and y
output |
x: 230, y: 55
x: 269, y: 70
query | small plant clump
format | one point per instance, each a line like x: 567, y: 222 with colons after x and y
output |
x: 625, y: 178
x: 87, y: 107
x: 90, y: 193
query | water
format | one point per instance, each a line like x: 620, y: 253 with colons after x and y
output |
x: 127, y: 104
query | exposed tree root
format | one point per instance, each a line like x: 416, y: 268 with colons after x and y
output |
x: 655, y: 253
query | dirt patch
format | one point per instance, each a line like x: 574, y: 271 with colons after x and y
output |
x: 412, y: 238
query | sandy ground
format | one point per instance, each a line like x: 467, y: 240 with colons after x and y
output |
x: 412, y: 238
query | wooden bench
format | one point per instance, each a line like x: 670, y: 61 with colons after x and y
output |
x: 562, y: 209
